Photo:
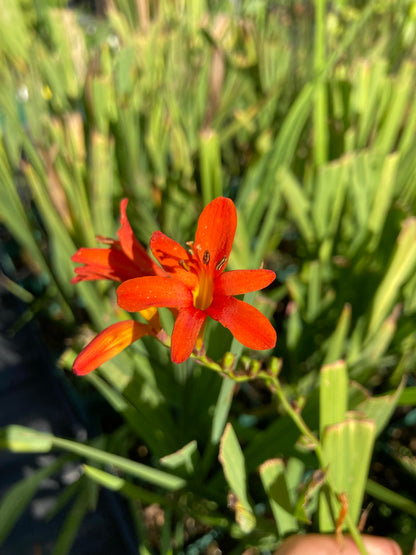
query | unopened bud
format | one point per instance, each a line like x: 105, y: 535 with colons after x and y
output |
x: 299, y: 403
x: 274, y: 366
x: 228, y: 362
x: 244, y: 363
x: 255, y: 367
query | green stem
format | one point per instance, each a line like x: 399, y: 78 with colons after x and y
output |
x: 304, y: 429
x: 320, y: 110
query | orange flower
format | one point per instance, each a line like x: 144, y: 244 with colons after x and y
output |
x: 125, y: 259
x: 109, y: 343
x: 196, y: 286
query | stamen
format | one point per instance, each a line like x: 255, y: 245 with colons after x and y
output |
x: 184, y: 265
x: 190, y: 244
x: 205, y: 259
x: 221, y: 263
x: 104, y: 240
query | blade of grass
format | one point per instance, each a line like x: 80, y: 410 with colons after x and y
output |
x: 347, y: 449
x: 13, y: 436
x: 400, y: 268
x: 320, y: 107
x: 210, y: 165
x: 273, y: 477
x: 336, y: 343
x: 333, y: 395
x: 17, y: 498
x: 391, y: 498
x: 115, y: 483
x: 232, y: 460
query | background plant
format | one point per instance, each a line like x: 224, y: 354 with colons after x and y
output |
x: 312, y: 133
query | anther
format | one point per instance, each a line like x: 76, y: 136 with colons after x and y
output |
x: 190, y: 244
x: 104, y: 240
x: 183, y: 264
x: 221, y: 263
x: 205, y: 258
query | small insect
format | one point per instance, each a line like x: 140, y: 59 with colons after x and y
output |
x: 205, y: 258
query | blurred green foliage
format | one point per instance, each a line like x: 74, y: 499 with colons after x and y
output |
x: 304, y: 113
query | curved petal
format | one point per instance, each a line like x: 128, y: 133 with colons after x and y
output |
x: 173, y: 257
x: 136, y: 294
x: 108, y: 344
x: 132, y: 247
x: 104, y: 264
x: 248, y: 325
x: 185, y: 332
x: 238, y: 282
x: 215, y: 233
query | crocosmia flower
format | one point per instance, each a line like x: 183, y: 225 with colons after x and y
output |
x: 196, y: 285
x: 121, y: 260
x: 124, y: 259
x: 108, y: 343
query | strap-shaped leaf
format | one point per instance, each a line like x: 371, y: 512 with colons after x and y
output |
x: 347, y: 450
x: 232, y: 460
x: 333, y: 394
x: 275, y: 478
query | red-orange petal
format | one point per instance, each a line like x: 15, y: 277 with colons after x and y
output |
x: 248, y: 325
x: 185, y: 332
x: 173, y: 257
x: 136, y: 294
x: 237, y: 282
x: 109, y: 263
x: 108, y: 344
x: 132, y: 247
x: 215, y: 233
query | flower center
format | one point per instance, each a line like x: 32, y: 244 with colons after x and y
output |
x: 203, y: 291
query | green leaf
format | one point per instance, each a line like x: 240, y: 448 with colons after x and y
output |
x: 398, y: 107
x: 17, y: 498
x: 273, y: 477
x: 146, y: 473
x: 400, y: 268
x: 380, y: 409
x: 210, y: 165
x: 337, y: 342
x: 333, y: 395
x: 30, y: 440
x: 70, y: 528
x: 383, y: 198
x: 392, y: 498
x: 20, y: 439
x: 407, y: 396
x: 314, y: 291
x: 307, y: 499
x: 298, y: 204
x: 182, y: 462
x: 232, y: 460
x: 347, y: 450
x: 116, y: 483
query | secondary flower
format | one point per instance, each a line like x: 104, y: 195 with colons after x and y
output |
x: 109, y: 343
x: 195, y: 284
x: 125, y: 259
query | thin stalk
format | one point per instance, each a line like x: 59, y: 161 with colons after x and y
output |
x: 304, y: 429
x: 320, y: 109
x: 274, y: 385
